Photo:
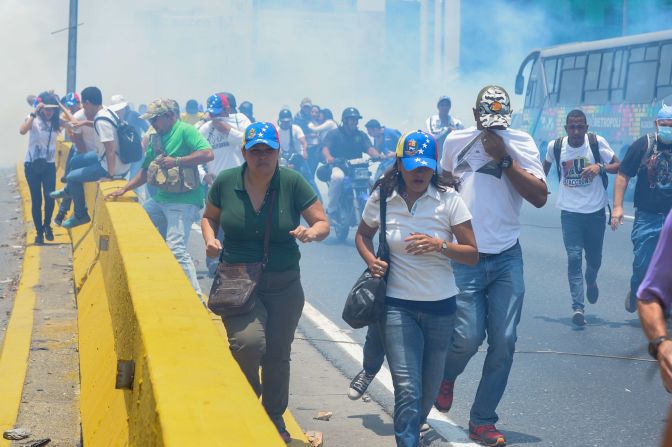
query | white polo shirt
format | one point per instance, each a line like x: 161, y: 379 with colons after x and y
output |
x: 427, y: 277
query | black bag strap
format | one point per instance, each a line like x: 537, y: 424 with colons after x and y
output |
x: 383, y: 248
x: 557, y: 147
x: 595, y: 149
x: 652, y: 148
x: 267, y: 227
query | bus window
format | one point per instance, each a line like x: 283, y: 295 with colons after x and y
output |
x: 551, y: 69
x: 594, y: 94
x: 534, y: 97
x: 642, y: 67
x: 571, y: 81
x: 618, y: 77
x: 665, y: 71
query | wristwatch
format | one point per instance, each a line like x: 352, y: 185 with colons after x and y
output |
x: 505, y: 162
x: 33, y: 115
x: 444, y: 247
x: 654, y: 344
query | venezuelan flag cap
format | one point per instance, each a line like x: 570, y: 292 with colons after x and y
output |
x: 261, y: 133
x: 417, y: 150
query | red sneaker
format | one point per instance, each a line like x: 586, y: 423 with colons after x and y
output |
x: 486, y: 435
x: 444, y: 400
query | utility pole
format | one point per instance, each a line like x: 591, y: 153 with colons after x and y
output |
x: 72, y: 49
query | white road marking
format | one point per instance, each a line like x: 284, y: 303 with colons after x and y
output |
x: 439, y: 422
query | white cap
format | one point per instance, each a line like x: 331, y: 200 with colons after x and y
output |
x: 117, y: 102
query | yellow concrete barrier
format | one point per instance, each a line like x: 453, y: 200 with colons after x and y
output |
x: 135, y: 304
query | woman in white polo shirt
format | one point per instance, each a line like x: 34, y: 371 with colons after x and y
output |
x: 424, y: 214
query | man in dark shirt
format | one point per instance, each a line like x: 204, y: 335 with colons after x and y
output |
x: 650, y: 160
x: 346, y: 142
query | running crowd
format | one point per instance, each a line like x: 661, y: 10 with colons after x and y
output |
x: 447, y: 204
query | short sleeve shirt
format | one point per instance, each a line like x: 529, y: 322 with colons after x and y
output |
x: 388, y: 142
x: 653, y: 190
x: 244, y: 228
x: 577, y: 193
x: 427, y: 277
x: 291, y: 144
x: 347, y: 146
x: 486, y: 190
x: 107, y: 133
x: 182, y: 140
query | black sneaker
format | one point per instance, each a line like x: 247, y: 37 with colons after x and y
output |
x: 578, y: 319
x: 48, y: 234
x: 630, y: 302
x: 359, y: 385
x: 592, y: 293
x: 59, y: 218
x: 39, y: 239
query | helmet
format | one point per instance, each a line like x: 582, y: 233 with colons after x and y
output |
x: 285, y: 114
x: 350, y: 112
x: 323, y: 173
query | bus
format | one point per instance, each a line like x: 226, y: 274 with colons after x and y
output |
x: 619, y: 84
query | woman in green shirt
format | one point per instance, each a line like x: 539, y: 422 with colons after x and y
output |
x: 238, y: 203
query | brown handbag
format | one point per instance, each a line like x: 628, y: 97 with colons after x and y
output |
x: 233, y: 289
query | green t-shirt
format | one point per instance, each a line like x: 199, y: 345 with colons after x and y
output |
x: 244, y: 229
x: 182, y: 140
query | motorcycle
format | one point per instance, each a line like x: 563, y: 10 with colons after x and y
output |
x: 354, y: 194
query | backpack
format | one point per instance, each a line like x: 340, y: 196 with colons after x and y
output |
x: 594, y: 148
x: 130, y: 149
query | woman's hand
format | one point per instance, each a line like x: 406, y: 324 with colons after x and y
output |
x: 213, y: 248
x: 378, y: 268
x: 304, y: 234
x: 420, y: 244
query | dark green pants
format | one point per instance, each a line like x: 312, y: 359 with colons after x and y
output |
x: 263, y: 338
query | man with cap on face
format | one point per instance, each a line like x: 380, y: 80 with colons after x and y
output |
x: 441, y: 124
x: 650, y: 160
x: 175, y: 144
x: 498, y: 167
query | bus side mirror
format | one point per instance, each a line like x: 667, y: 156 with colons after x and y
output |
x: 520, y: 84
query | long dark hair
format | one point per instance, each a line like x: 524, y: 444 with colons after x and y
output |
x: 50, y: 100
x: 393, y: 180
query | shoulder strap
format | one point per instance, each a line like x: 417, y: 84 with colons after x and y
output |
x: 115, y: 122
x: 383, y: 249
x: 595, y: 149
x: 652, y: 147
x: 267, y: 227
x: 557, y: 147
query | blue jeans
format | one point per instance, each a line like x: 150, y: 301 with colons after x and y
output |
x: 490, y: 299
x: 374, y: 351
x: 645, y: 233
x: 582, y: 232
x: 415, y: 344
x: 83, y: 168
x: 41, y: 185
x: 173, y: 220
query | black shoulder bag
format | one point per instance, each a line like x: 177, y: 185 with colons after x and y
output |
x: 233, y: 290
x: 366, y: 301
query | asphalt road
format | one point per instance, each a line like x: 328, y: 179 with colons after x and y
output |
x: 569, y: 386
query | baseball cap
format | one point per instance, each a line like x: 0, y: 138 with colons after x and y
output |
x: 417, y: 150
x: 261, y: 133
x: 217, y: 103
x: 117, y: 102
x: 665, y: 113
x: 158, y: 107
x: 444, y: 99
x: 71, y: 99
x: 494, y: 106
x: 373, y: 124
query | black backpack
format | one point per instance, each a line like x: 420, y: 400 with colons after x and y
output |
x: 594, y: 148
x: 130, y: 148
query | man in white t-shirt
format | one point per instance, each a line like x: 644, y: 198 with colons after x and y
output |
x: 103, y: 163
x: 224, y: 131
x: 443, y: 123
x: 582, y: 197
x: 499, y: 167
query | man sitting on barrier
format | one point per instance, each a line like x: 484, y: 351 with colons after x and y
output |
x: 176, y: 148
